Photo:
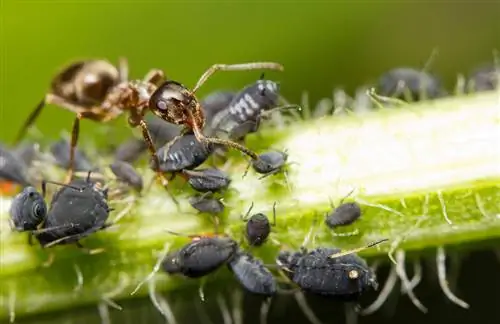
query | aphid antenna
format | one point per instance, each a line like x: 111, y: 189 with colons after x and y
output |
x: 347, y: 252
x: 43, y: 230
x: 245, y: 217
x: 155, y: 270
x: 274, y: 214
x: 283, y: 107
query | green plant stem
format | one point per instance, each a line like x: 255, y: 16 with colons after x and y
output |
x: 426, y: 176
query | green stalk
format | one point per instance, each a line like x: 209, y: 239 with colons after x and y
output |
x: 427, y: 176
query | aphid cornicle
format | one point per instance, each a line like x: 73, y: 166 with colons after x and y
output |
x: 206, y: 204
x: 28, y: 210
x: 208, y: 180
x: 126, y: 173
x: 185, y: 152
x: 12, y: 168
x: 345, y: 214
x: 258, y: 227
x: 270, y: 162
x: 409, y: 84
x: 252, y: 274
x: 344, y: 278
x: 200, y: 257
x: 76, y: 211
x: 61, y: 152
x: 242, y: 115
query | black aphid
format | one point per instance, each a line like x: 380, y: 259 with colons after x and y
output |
x: 130, y: 150
x: 258, y: 227
x: 344, y: 278
x: 185, y: 152
x: 214, y: 103
x: 126, y: 173
x: 61, y: 151
x: 208, y: 180
x: 160, y: 131
x: 28, y: 210
x: 409, y: 84
x: 27, y: 152
x: 76, y: 211
x: 242, y: 115
x: 206, y: 203
x: 252, y: 274
x: 484, y: 78
x: 270, y: 162
x: 345, y: 214
x: 12, y: 168
x: 200, y: 257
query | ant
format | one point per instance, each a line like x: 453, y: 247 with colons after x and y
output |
x: 99, y: 91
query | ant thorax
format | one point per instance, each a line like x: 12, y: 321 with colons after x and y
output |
x: 129, y: 95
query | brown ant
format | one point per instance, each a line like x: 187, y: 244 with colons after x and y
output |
x: 100, y: 91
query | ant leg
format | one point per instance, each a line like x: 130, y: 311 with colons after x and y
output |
x: 74, y: 141
x: 123, y: 69
x: 30, y: 120
x: 149, y: 141
x: 236, y: 67
x: 155, y: 76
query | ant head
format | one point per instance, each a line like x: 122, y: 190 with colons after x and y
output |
x: 174, y: 103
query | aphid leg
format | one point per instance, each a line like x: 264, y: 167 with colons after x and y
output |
x: 264, y: 310
x: 226, y: 315
x: 103, y: 310
x: 12, y: 305
x: 400, y: 269
x: 384, y: 293
x: 155, y: 76
x: 274, y: 215
x: 75, y: 132
x: 49, y: 260
x: 417, y: 277
x: 379, y: 100
x: 441, y: 267
x: 156, y: 268
x: 79, y: 278
x: 87, y: 250
x: 160, y: 303
x: 123, y: 69
x: 306, y: 309
x: 246, y: 170
x: 235, y: 67
x: 245, y: 217
x: 201, y: 288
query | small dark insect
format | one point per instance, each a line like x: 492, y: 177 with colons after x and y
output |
x: 161, y: 132
x: 28, y: 210
x: 258, y: 226
x: 252, y: 274
x: 200, y: 257
x: 213, y: 104
x: 208, y: 180
x: 126, y: 173
x: 484, y: 78
x: 269, y: 163
x: 27, y: 152
x: 206, y: 203
x: 77, y: 210
x: 61, y: 152
x: 343, y: 215
x: 184, y: 152
x: 329, y: 272
x: 12, y: 169
x: 409, y: 84
x: 130, y: 150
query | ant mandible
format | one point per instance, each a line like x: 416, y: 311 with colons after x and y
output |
x: 99, y: 91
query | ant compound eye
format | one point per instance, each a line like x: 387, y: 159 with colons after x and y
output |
x: 162, y: 105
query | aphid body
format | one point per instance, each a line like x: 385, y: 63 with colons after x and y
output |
x: 61, y: 152
x: 403, y: 82
x: 214, y: 103
x: 12, y: 168
x: 484, y: 78
x: 270, y: 162
x: 28, y: 210
x: 345, y: 214
x: 200, y: 257
x: 76, y: 211
x: 130, y: 150
x: 344, y: 278
x: 252, y: 274
x: 208, y: 180
x: 206, y: 204
x: 126, y: 173
x: 258, y: 227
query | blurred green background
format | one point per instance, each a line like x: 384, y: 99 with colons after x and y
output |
x: 322, y: 44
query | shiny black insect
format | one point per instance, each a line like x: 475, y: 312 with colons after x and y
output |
x: 345, y: 214
x: 185, y: 152
x: 208, y: 180
x: 200, y: 257
x: 243, y: 114
x: 130, y: 150
x: 76, y: 211
x: 269, y: 163
x: 206, y: 203
x: 12, y: 168
x: 28, y: 210
x: 252, y: 274
x: 126, y: 173
x: 258, y: 227
x: 61, y: 152
x: 409, y: 84
x: 484, y: 78
x: 345, y: 277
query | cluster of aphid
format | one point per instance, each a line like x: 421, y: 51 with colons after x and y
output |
x: 180, y: 137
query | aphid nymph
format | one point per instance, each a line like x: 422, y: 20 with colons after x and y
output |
x: 343, y: 215
x: 61, y: 152
x: 269, y: 163
x: 258, y: 227
x: 126, y: 173
x: 207, y: 203
x: 208, y: 180
x: 252, y: 274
